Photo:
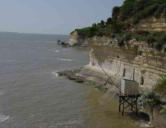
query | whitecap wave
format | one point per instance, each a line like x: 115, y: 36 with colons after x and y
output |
x: 71, y: 123
x: 54, y: 50
x: 3, y: 117
x: 57, y: 51
x: 65, y: 59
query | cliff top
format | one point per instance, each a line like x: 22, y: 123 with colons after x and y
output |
x: 144, y: 20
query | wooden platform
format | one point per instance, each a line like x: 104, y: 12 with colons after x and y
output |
x: 129, y: 102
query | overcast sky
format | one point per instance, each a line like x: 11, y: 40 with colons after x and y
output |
x: 52, y: 16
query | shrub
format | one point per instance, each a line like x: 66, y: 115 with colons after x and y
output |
x: 151, y: 98
x: 127, y: 36
x: 127, y: 8
x: 116, y: 27
x: 115, y: 12
x: 109, y: 21
x: 160, y: 10
x: 160, y: 86
x: 164, y: 12
x: 139, y: 9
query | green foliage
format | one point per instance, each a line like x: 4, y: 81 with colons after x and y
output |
x: 127, y: 9
x: 140, y: 37
x: 145, y: 13
x: 116, y: 27
x: 124, y: 17
x: 139, y: 9
x: 84, y: 32
x: 160, y: 86
x: 102, y: 23
x: 115, y: 12
x: 160, y: 10
x: 99, y: 29
x: 163, y: 111
x: 109, y: 21
x: 151, y: 99
x: 156, y: 39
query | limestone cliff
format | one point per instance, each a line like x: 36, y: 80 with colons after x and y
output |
x: 136, y: 61
x: 76, y: 40
x: 130, y: 44
x: 152, y: 24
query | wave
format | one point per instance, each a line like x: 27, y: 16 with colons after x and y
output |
x: 72, y: 123
x: 3, y: 118
x: 54, y: 50
x: 65, y: 59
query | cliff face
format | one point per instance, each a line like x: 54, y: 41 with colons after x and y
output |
x: 76, y: 40
x: 136, y: 61
x: 152, y: 24
x: 131, y: 44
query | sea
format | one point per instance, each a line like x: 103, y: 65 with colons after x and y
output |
x: 32, y: 95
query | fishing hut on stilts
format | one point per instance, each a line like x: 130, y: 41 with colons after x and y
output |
x: 128, y: 97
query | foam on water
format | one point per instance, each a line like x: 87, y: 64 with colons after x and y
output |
x: 54, y: 50
x: 3, y: 118
x: 65, y: 59
x: 70, y: 123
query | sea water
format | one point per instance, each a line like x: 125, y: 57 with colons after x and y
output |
x: 33, y: 96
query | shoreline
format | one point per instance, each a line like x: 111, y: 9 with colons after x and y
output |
x: 90, y: 77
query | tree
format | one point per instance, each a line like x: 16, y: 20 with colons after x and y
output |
x: 115, y: 12
x: 109, y: 21
x: 102, y: 22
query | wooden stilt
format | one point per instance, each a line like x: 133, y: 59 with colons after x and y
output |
x: 128, y: 102
x: 120, y: 104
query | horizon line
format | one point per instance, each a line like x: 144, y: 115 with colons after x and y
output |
x: 33, y: 33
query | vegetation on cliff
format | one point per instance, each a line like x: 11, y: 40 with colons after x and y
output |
x: 123, y: 20
x: 155, y: 99
x: 160, y: 86
x: 136, y: 10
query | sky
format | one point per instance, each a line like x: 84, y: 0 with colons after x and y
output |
x: 52, y: 16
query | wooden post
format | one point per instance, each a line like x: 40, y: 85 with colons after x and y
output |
x: 130, y: 102
x: 119, y: 103
x: 123, y: 106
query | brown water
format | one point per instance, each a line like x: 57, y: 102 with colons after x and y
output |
x: 32, y: 96
x: 103, y: 111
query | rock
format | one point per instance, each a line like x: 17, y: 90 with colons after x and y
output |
x: 146, y: 125
x: 75, y: 75
x: 77, y: 40
x: 63, y: 43
x: 72, y: 75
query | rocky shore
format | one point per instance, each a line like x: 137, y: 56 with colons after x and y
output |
x: 88, y: 76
